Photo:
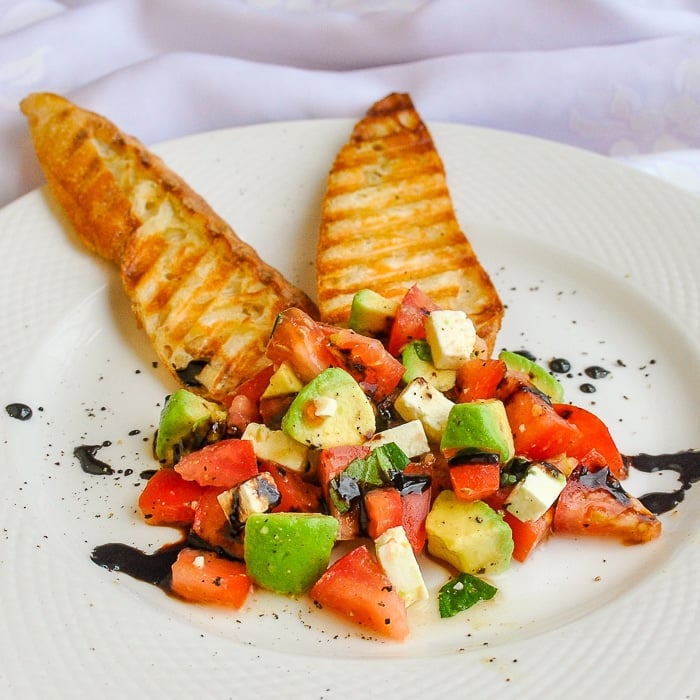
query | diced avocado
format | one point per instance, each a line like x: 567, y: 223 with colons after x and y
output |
x: 538, y: 375
x: 420, y: 401
x: 287, y: 552
x: 398, y: 560
x: 276, y: 446
x: 451, y: 336
x: 532, y: 496
x: 478, y: 427
x: 470, y: 535
x: 418, y: 361
x: 331, y: 410
x: 282, y: 382
x: 187, y: 422
x: 371, y: 313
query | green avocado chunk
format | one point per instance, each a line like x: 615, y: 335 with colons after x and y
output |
x: 187, y: 422
x: 329, y: 411
x: 418, y: 361
x: 371, y: 313
x: 470, y: 535
x: 538, y: 375
x: 476, y: 427
x: 287, y: 552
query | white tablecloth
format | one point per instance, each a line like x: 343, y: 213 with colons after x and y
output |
x: 619, y: 77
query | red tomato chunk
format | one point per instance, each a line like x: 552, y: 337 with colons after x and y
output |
x: 409, y: 321
x: 357, y: 588
x: 479, y: 379
x: 204, y: 577
x: 472, y: 482
x: 224, y: 464
x: 384, y: 509
x: 168, y: 499
x: 539, y: 432
x: 594, y: 503
x: 594, y: 436
x: 367, y: 361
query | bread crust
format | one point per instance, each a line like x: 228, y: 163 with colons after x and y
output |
x: 205, y: 298
x: 388, y: 223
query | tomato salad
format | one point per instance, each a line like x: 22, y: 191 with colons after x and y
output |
x: 398, y: 437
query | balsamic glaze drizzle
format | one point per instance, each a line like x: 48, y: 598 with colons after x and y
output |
x: 85, y: 454
x: 150, y: 568
x: 685, y: 464
x: 20, y: 411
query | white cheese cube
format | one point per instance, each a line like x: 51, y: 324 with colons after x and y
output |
x: 420, y: 401
x: 410, y: 437
x: 451, y: 336
x: 257, y: 495
x: 532, y: 496
x: 324, y: 407
x: 396, y: 556
x: 276, y: 446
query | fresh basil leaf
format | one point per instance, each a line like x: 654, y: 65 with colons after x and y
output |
x: 462, y: 592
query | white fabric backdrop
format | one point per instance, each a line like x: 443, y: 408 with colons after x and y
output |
x: 619, y: 77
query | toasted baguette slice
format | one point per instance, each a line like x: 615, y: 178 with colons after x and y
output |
x: 388, y: 222
x: 204, y: 297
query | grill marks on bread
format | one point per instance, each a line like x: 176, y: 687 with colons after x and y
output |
x: 388, y: 223
x: 204, y: 297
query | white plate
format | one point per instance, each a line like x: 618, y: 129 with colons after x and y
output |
x: 597, y: 263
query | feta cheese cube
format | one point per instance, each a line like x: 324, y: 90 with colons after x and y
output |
x: 276, y: 446
x: 451, y: 336
x: 532, y: 496
x: 420, y: 401
x: 396, y: 557
x: 324, y: 407
x: 256, y: 495
x: 410, y: 437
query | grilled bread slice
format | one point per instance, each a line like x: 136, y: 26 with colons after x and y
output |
x: 388, y: 222
x: 204, y: 297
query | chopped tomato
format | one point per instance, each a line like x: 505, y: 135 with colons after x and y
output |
x: 593, y: 502
x: 253, y: 387
x: 384, y: 510
x: 357, y: 588
x: 204, y: 577
x: 539, y: 432
x: 473, y: 482
x: 273, y: 409
x: 594, y: 436
x: 226, y: 463
x: 439, y: 473
x: 243, y: 406
x: 479, y: 379
x: 331, y: 462
x: 497, y: 499
x: 168, y: 499
x: 298, y: 340
x: 527, y: 535
x: 409, y: 321
x: 241, y: 411
x: 297, y: 494
x: 511, y: 382
x: 416, y: 507
x: 366, y: 359
x: 212, y: 525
